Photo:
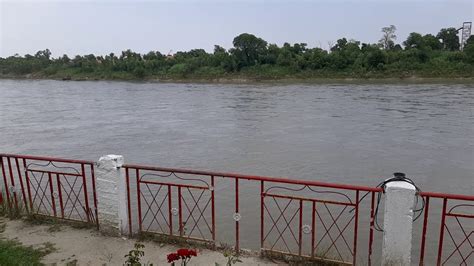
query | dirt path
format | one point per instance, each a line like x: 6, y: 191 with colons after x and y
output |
x: 89, y: 247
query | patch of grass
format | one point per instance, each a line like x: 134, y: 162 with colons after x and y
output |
x: 14, y: 253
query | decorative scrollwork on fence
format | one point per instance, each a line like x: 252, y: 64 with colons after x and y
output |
x: 51, y: 163
x: 170, y: 174
x: 310, y: 189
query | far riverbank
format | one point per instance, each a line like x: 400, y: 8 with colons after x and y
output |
x: 258, y: 80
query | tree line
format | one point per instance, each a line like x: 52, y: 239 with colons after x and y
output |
x: 421, y: 55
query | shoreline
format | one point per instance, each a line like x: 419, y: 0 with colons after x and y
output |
x: 280, y: 81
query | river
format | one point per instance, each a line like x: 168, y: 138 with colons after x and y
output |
x: 343, y: 133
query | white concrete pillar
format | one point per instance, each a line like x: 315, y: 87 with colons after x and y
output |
x: 112, y: 195
x: 397, y: 223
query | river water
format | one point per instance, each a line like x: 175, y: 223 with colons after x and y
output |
x: 344, y: 133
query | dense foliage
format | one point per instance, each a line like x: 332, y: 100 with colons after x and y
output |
x: 252, y: 57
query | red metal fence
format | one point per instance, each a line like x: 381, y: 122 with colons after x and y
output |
x: 55, y: 187
x: 308, y: 219
x: 455, y: 224
x: 302, y: 218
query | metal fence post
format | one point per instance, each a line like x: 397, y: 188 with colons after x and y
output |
x: 398, y: 223
x: 112, y: 195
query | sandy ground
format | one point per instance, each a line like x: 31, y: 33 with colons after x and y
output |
x: 89, y: 247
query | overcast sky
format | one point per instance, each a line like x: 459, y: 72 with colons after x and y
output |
x: 101, y: 27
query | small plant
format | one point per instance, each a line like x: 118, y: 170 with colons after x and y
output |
x: 182, y: 254
x: 10, y: 210
x: 232, y: 257
x: 134, y: 256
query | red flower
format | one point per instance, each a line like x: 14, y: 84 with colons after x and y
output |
x: 193, y: 253
x: 186, y: 253
x: 183, y: 253
x: 172, y: 257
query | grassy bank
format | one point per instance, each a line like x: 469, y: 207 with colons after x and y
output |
x: 268, y: 75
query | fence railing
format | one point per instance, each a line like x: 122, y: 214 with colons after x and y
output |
x: 303, y: 218
x: 310, y: 219
x: 455, y: 224
x: 55, y: 187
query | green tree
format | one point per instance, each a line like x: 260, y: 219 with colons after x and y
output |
x: 112, y: 57
x: 219, y: 49
x: 285, y: 58
x: 318, y: 58
x: 43, y: 54
x: 130, y: 55
x: 180, y: 70
x: 248, y: 47
x: 221, y: 58
x: 397, y: 47
x: 139, y: 71
x: 340, y: 45
x: 469, y: 49
x: 297, y: 48
x: 470, y: 40
x: 414, y: 40
x: 374, y: 57
x: 449, y: 38
x: 431, y: 41
x: 64, y: 59
x: 271, y: 55
x: 150, y: 56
